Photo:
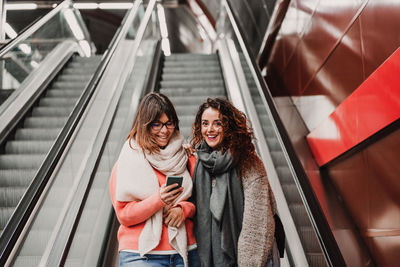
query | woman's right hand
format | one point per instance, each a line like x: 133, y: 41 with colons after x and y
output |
x: 169, y: 193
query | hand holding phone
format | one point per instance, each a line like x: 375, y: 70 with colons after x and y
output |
x: 174, y: 180
x: 172, y: 189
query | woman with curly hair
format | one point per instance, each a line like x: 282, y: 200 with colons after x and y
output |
x: 235, y: 206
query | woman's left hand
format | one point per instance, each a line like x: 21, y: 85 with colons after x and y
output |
x: 174, y: 217
x: 189, y: 149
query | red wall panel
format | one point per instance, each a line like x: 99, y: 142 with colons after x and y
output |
x: 325, y: 50
x: 370, y: 108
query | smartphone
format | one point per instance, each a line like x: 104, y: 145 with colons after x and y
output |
x: 174, y: 180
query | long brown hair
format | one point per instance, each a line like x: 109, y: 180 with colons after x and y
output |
x: 151, y: 108
x: 238, y: 134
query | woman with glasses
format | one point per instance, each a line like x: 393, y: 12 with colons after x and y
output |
x: 156, y: 227
x: 235, y: 206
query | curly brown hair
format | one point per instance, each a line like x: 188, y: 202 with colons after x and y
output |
x: 151, y: 108
x: 238, y: 134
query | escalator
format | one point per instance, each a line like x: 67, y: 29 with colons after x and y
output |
x: 188, y: 80
x: 25, y: 151
x: 45, y: 83
x: 75, y: 223
x: 61, y: 232
x: 183, y: 82
x: 309, y: 240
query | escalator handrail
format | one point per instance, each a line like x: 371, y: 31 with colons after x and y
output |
x: 29, y: 31
x: 60, y: 247
x: 151, y: 85
x: 26, y: 205
x: 330, y: 248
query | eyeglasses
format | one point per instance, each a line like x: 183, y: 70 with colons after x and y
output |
x: 157, y: 126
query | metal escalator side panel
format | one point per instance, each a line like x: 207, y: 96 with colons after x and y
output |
x: 31, y: 88
x: 25, y: 151
x: 92, y: 232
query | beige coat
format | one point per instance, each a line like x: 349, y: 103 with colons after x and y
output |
x: 257, y: 234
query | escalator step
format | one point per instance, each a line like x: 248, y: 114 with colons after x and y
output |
x: 299, y: 214
x: 5, y: 214
x: 204, y: 84
x: 24, y: 155
x: 21, y: 161
x: 73, y: 71
x: 292, y: 193
x: 81, y: 65
x: 10, y: 196
x: 284, y: 174
x: 15, y: 178
x: 36, y: 134
x: 256, y: 98
x: 191, y: 76
x: 273, y: 144
x: 28, y: 147
x: 57, y: 102
x: 268, y: 130
x: 45, y: 122
x: 192, y: 70
x: 74, y: 77
x: 309, y: 240
x: 186, y: 109
x: 264, y: 118
x: 76, y: 85
x: 278, y: 158
x: 64, y: 93
x: 193, y: 91
x: 186, y: 56
x: 186, y: 119
x: 189, y: 64
x: 52, y: 111
x: 316, y: 259
x: 186, y: 131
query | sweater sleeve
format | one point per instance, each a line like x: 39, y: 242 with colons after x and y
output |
x: 134, y: 212
x: 257, y: 235
x: 188, y: 209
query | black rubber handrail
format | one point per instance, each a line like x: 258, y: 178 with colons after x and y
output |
x: 328, y: 243
x: 25, y: 207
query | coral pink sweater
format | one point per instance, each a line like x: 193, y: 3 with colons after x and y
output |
x: 133, y: 215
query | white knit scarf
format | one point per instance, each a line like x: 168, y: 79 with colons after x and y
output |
x: 136, y: 180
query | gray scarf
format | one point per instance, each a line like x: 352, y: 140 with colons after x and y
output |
x: 219, y: 208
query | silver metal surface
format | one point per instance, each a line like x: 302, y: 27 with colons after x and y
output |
x: 30, y: 86
x: 34, y: 27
